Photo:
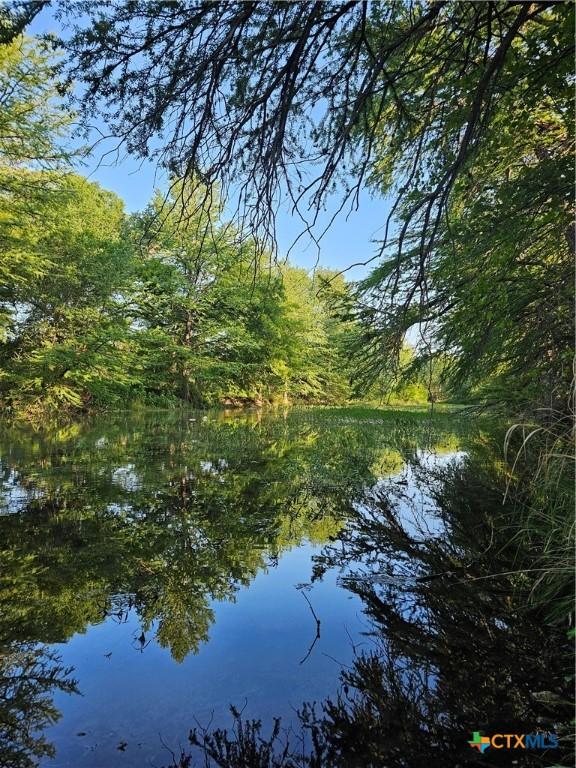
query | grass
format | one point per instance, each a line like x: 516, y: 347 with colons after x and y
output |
x: 541, y: 462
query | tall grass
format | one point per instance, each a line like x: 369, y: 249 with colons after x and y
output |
x: 540, y: 458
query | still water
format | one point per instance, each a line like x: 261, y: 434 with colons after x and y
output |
x: 159, y: 567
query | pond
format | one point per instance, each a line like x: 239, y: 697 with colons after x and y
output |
x: 159, y: 567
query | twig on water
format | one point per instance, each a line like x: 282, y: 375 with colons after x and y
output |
x: 317, y: 620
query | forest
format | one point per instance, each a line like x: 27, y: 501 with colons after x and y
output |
x: 184, y: 406
x: 173, y: 304
x: 181, y: 302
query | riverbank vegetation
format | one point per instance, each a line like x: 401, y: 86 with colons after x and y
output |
x: 178, y: 303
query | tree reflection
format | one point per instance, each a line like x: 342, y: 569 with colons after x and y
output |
x: 158, y: 517
x: 29, y: 676
x: 452, y: 648
x: 167, y: 515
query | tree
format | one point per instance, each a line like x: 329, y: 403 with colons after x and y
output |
x: 16, y: 17
x: 414, y: 379
x: 496, y: 297
x: 205, y: 313
x: 216, y: 320
x: 65, y: 342
x: 303, y: 341
x: 61, y: 260
x: 32, y: 127
x: 307, y: 98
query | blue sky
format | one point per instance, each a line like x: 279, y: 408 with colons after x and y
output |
x: 348, y: 241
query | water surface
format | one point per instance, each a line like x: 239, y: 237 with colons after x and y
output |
x: 159, y: 567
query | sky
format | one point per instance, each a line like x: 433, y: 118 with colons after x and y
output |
x: 350, y: 239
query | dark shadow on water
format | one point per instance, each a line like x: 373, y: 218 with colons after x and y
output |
x: 454, y: 649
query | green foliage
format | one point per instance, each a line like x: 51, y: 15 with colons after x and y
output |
x: 31, y: 117
x: 159, y: 307
x: 62, y: 258
x: 32, y: 125
x: 97, y: 309
x: 415, y: 379
x: 461, y: 112
x: 215, y: 321
x: 314, y: 337
x: 492, y: 292
x: 65, y: 331
x: 540, y: 477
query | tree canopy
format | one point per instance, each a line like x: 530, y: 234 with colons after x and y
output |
x: 462, y: 112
